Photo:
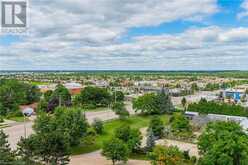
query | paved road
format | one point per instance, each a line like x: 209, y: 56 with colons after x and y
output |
x: 95, y: 158
x: 16, y: 131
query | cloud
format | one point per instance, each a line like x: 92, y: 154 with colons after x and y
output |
x: 196, y: 48
x: 97, y: 21
x: 86, y: 34
x: 244, y: 13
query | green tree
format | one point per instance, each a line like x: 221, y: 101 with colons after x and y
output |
x: 54, y: 136
x: 150, y: 141
x: 98, y: 126
x: 62, y: 94
x: 134, y: 140
x: 120, y: 110
x: 146, y: 104
x: 6, y: 155
x: 164, y: 103
x: 123, y: 132
x: 115, y: 150
x: 132, y: 137
x: 180, y: 125
x: 206, y: 107
x: 156, y: 125
x: 223, y: 143
x: 70, y: 121
x: 48, y: 95
x: 118, y: 96
x: 184, y: 102
x: 14, y: 93
x: 152, y: 103
x: 49, y: 148
x: 194, y: 87
x: 99, y: 97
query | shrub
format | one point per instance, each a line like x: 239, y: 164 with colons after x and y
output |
x: 157, y: 126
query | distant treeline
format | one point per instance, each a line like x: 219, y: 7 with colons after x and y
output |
x: 234, y: 74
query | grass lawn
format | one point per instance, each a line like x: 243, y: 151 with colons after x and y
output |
x: 18, y: 119
x: 138, y: 156
x: 109, y: 128
x: 38, y: 83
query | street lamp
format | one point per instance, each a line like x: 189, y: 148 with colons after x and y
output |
x: 25, y: 129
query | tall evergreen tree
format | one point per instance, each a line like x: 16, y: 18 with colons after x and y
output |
x: 164, y: 102
x: 150, y: 141
x: 6, y: 155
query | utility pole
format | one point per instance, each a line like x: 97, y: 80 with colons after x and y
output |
x: 115, y: 95
x: 59, y: 100
x: 25, y: 129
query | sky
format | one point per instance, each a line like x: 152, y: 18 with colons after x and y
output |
x: 130, y: 35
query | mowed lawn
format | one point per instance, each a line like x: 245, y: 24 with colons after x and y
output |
x: 136, y: 122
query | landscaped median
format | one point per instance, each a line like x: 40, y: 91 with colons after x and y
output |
x: 95, y: 143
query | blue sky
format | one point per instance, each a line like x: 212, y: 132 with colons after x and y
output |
x: 131, y: 35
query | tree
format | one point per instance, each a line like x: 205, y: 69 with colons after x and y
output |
x: 52, y: 99
x: 115, y: 150
x: 194, y: 87
x: 184, y: 102
x: 120, y: 110
x: 62, y: 94
x: 14, y: 93
x: 49, y: 148
x: 157, y: 126
x: 152, y: 103
x: 146, y: 104
x: 54, y: 136
x: 132, y: 137
x: 98, y: 126
x: 162, y: 155
x: 99, y: 97
x: 48, y: 95
x: 70, y: 121
x: 150, y: 141
x: 134, y: 140
x: 223, y: 143
x: 206, y: 107
x: 180, y: 125
x: 123, y: 132
x: 6, y: 155
x: 118, y: 96
x: 164, y: 102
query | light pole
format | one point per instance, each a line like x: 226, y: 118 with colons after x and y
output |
x: 25, y: 129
